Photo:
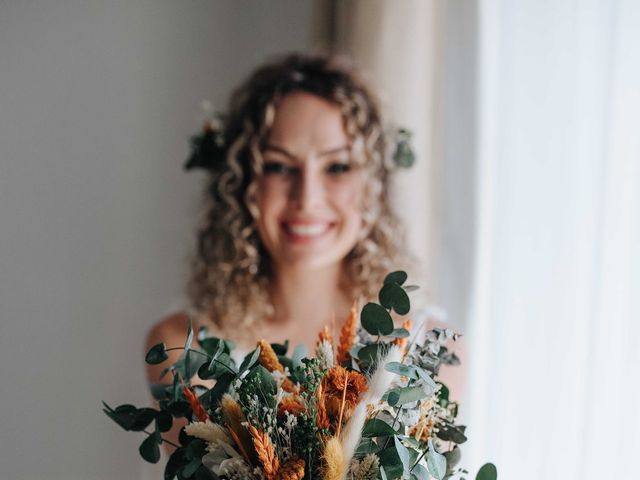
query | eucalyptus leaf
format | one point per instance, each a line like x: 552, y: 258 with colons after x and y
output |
x: 173, y: 464
x: 398, y: 368
x: 487, y: 472
x: 249, y: 361
x: 159, y: 390
x: 436, y: 462
x: 401, y: 395
x: 398, y: 277
x: 365, y: 447
x: 189, y: 340
x: 122, y: 415
x: 156, y: 354
x: 149, y: 449
x: 376, y: 320
x: 403, y: 453
x: 421, y: 472
x: 190, y: 362
x: 299, y: 352
x: 142, y: 419
x: 399, y: 333
x: 383, y: 475
x: 378, y: 428
x: 393, y: 296
x: 164, y: 421
x: 191, y: 467
x: 452, y: 433
x: 210, y: 345
x: 280, y: 348
x: 371, y: 353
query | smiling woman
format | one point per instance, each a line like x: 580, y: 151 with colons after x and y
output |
x: 299, y: 225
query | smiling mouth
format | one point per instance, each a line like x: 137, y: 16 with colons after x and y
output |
x: 306, y: 231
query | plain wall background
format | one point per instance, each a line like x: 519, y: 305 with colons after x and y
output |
x: 97, y: 101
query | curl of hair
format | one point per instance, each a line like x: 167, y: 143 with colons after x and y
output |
x: 231, y: 269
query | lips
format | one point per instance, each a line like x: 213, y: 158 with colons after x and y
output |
x: 306, y: 230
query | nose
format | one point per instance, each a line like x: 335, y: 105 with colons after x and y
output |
x: 308, y: 192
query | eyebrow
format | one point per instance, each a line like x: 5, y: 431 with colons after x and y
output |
x: 291, y: 156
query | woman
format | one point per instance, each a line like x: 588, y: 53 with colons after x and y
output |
x: 299, y: 225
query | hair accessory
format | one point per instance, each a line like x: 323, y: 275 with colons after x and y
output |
x: 403, y: 155
x: 208, y: 148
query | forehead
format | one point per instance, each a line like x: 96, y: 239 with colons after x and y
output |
x: 305, y: 123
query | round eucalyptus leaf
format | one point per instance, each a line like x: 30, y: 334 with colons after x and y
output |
x: 149, y: 449
x: 157, y: 354
x: 394, y: 296
x: 164, y: 421
x: 487, y: 472
x: 376, y: 320
x: 142, y: 419
x: 398, y: 277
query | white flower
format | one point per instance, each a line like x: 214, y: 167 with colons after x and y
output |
x: 324, y: 354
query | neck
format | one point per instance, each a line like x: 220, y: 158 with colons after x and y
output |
x: 309, y: 298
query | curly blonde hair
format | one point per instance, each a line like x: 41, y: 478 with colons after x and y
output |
x: 231, y: 269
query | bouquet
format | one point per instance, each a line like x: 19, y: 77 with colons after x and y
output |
x: 368, y: 405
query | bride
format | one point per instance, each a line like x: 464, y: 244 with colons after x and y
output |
x: 299, y: 224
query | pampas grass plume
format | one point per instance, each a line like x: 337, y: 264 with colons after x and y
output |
x: 335, y: 464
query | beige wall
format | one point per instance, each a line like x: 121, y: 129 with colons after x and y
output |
x: 97, y: 100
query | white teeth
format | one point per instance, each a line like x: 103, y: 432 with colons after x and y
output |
x: 307, y: 230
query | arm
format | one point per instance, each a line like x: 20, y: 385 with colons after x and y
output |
x: 172, y: 331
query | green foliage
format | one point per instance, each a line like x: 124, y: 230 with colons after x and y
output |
x: 393, y: 296
x: 376, y: 320
x: 150, y: 448
x: 436, y: 462
x: 156, y: 354
x: 487, y: 472
x: 378, y: 428
x: 398, y: 277
x: 403, y: 156
x: 401, y: 395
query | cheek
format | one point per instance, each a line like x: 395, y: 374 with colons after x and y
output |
x: 270, y: 197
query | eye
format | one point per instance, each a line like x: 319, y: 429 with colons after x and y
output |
x: 338, y: 168
x: 276, y: 168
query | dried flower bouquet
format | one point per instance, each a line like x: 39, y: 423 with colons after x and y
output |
x: 367, y: 406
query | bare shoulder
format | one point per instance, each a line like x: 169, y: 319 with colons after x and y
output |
x: 172, y: 331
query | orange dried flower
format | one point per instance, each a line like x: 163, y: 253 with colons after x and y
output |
x: 325, y: 334
x: 322, y: 419
x: 292, y: 470
x: 268, y: 358
x: 266, y: 453
x: 194, y: 402
x: 339, y: 383
x: 347, y: 335
x: 291, y: 405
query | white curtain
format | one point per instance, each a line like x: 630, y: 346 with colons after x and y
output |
x: 555, y: 320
